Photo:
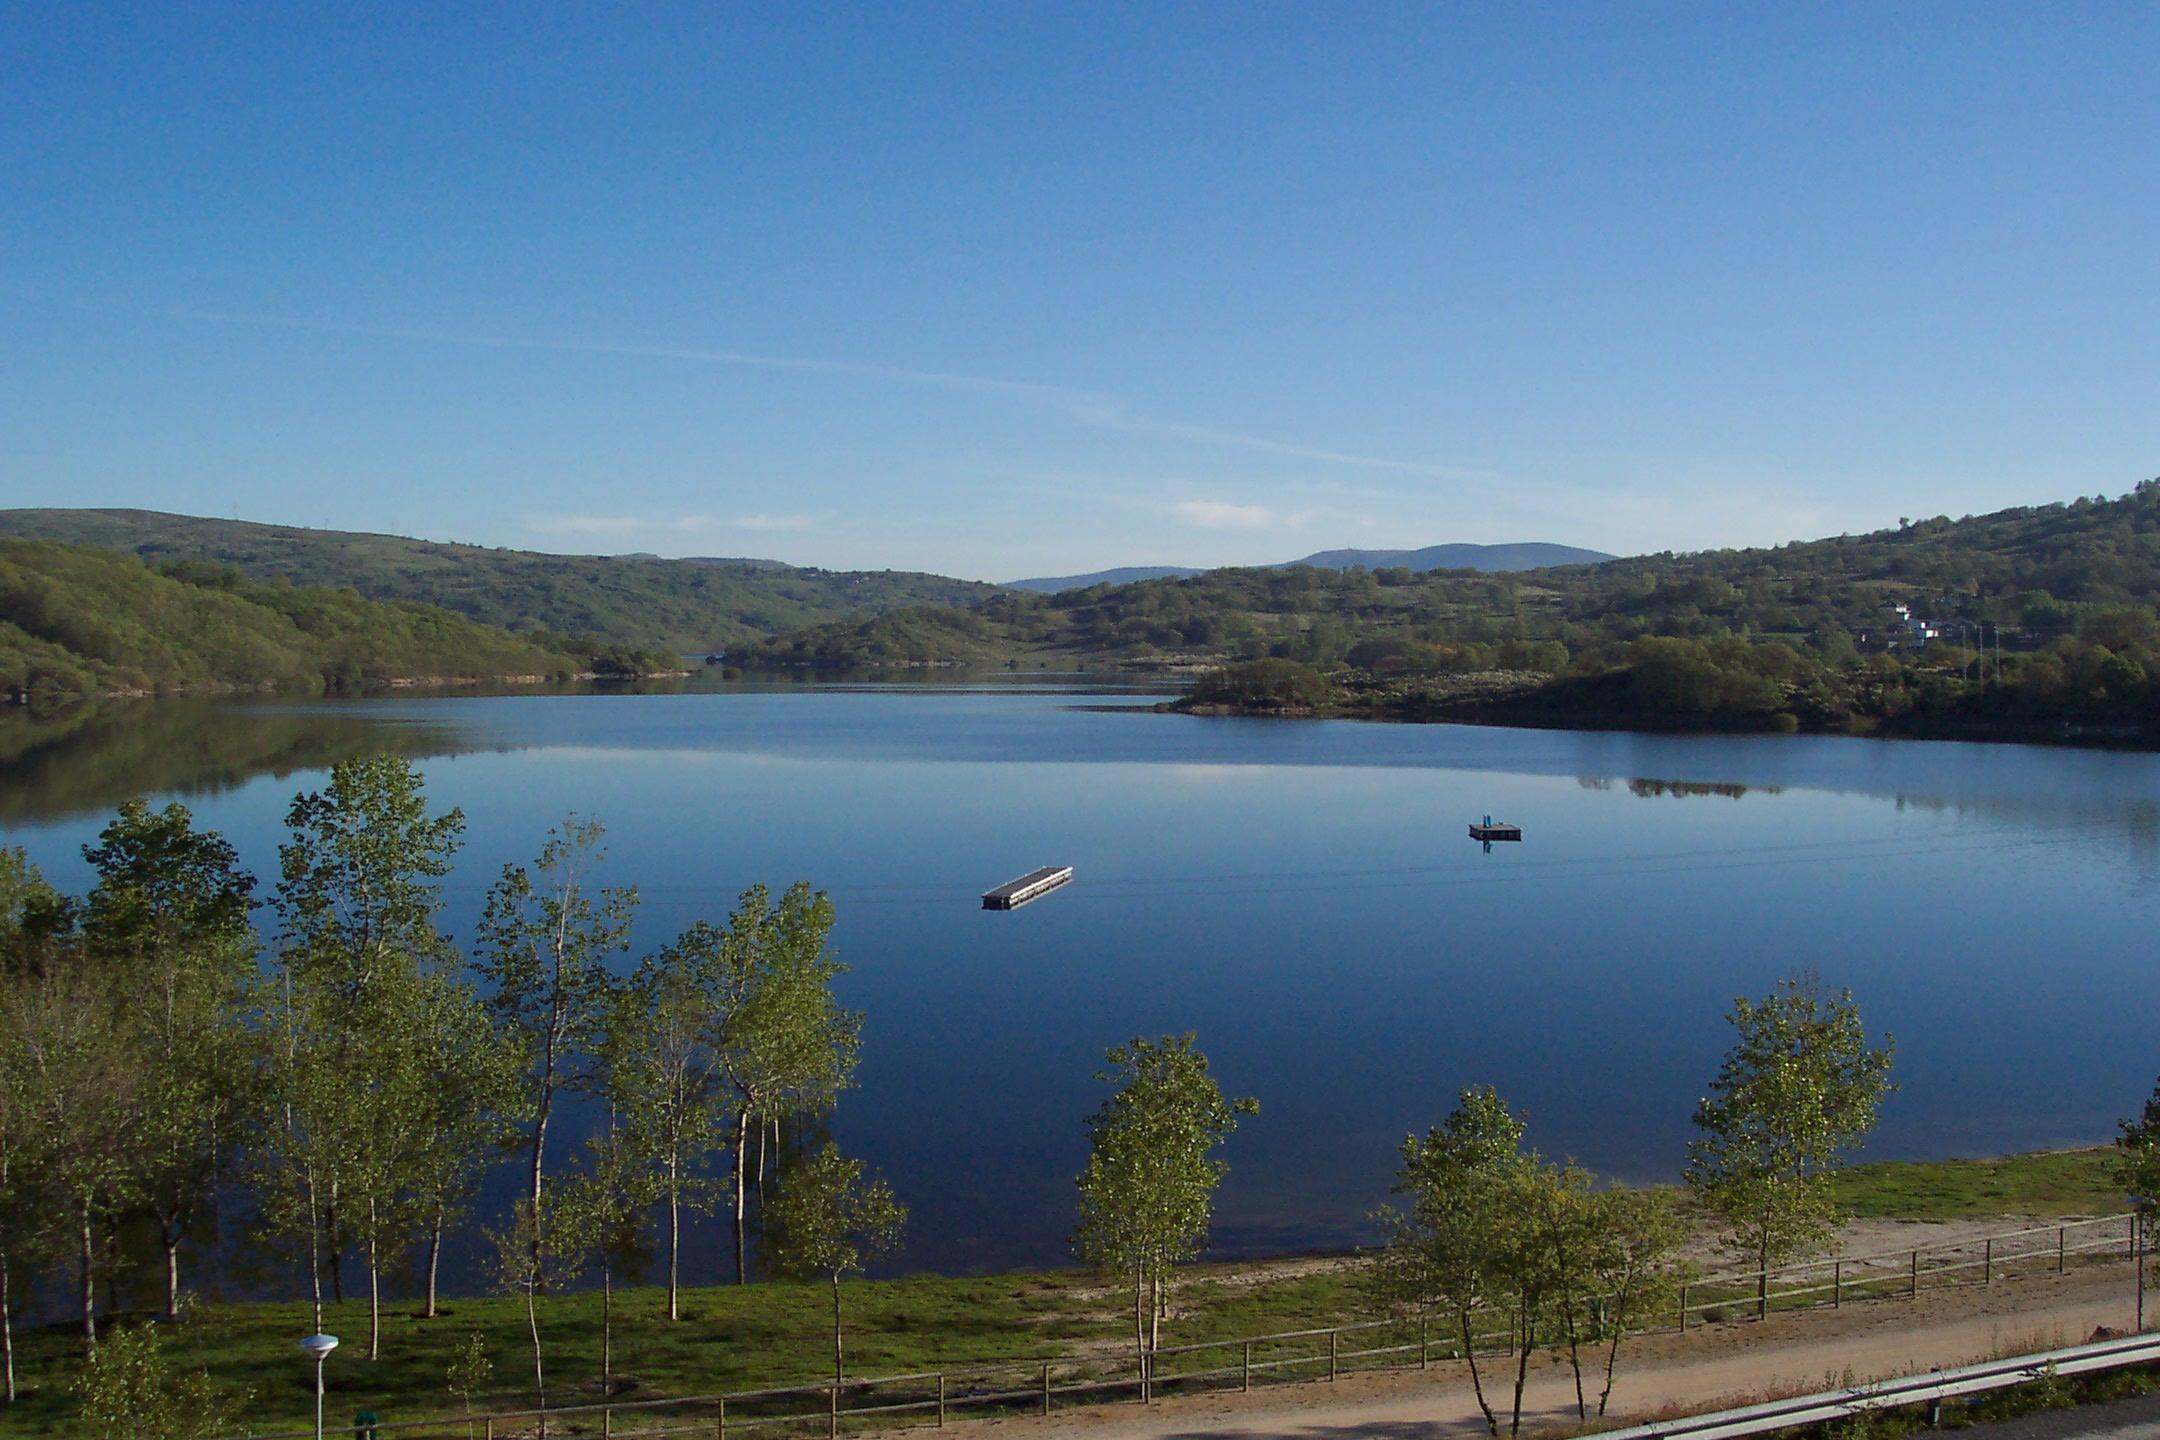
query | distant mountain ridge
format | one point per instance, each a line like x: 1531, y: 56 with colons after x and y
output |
x: 683, y: 606
x: 1523, y: 555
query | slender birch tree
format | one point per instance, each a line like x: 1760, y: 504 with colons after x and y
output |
x: 662, y: 1078
x: 169, y: 915
x: 78, y: 1094
x: 1799, y: 1089
x: 546, y: 936
x: 1147, y: 1194
x: 1460, y: 1184
x: 784, y: 1044
x: 357, y: 901
x: 831, y: 1219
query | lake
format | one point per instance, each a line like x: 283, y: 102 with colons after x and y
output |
x: 1302, y: 894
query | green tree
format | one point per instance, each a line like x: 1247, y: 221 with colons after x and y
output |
x: 169, y: 915
x: 784, y: 1044
x: 468, y: 1107
x: 1635, y: 1238
x: 36, y: 920
x: 831, y: 1219
x: 470, y: 1372
x: 130, y: 1391
x: 528, y: 1262
x: 76, y: 1095
x: 545, y: 938
x: 1147, y: 1194
x: 1799, y: 1089
x: 605, y: 1207
x: 662, y: 1073
x: 28, y: 1202
x: 359, y: 949
x: 1460, y: 1184
x: 2137, y: 1163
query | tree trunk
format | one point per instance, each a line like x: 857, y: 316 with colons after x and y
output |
x: 1154, y: 1335
x: 434, y: 1263
x: 1612, y: 1360
x: 763, y: 1244
x: 1522, y: 1374
x: 674, y: 1243
x: 7, y: 1333
x: 171, y: 1231
x: 539, y: 1155
x: 374, y: 1286
x: 532, y: 1321
x: 172, y: 1276
x: 89, y: 1275
x: 607, y: 1331
x: 742, y: 1136
x: 837, y: 1371
x: 1574, y: 1355
x: 1477, y: 1383
x: 1762, y: 1281
x: 336, y: 1248
x: 314, y: 1249
x: 1139, y: 1326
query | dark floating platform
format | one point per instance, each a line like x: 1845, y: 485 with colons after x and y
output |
x: 1489, y: 832
x: 1031, y: 886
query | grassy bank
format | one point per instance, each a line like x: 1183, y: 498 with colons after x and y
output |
x: 778, y: 1334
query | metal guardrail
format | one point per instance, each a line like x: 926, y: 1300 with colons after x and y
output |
x: 930, y: 1398
x: 1925, y: 1389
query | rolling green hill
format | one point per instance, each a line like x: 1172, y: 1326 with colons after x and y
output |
x: 1802, y: 635
x: 77, y: 621
x: 683, y: 606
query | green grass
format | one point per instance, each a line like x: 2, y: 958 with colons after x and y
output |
x: 2046, y: 1182
x: 729, y: 1338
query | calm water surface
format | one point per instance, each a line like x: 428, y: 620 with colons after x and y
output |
x: 1304, y: 896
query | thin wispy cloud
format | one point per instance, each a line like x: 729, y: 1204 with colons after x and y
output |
x: 780, y: 522
x: 613, y: 524
x: 1221, y: 515
x: 586, y: 524
x: 1093, y: 408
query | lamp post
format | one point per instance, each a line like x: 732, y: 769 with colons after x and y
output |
x: 318, y: 1348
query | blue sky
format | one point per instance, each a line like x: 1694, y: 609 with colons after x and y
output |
x: 1010, y: 289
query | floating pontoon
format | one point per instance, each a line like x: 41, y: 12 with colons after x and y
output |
x: 1031, y: 886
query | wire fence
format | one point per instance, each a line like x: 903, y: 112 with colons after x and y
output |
x: 932, y: 1399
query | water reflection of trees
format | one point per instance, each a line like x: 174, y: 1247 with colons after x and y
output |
x: 1680, y: 789
x: 94, y: 757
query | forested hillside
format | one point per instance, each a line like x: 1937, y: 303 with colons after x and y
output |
x: 682, y: 606
x: 2067, y: 593
x: 76, y: 621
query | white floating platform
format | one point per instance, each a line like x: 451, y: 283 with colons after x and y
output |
x: 1031, y: 886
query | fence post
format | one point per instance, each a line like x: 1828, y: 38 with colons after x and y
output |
x: 832, y: 1412
x: 1916, y: 1274
x: 1424, y: 1342
x: 1987, y: 1262
x: 1046, y: 1388
x: 607, y: 1423
x: 1837, y: 1284
x: 1683, y: 1309
x: 1331, y: 1355
x: 720, y: 1418
x: 491, y: 1430
x: 2062, y: 1250
x: 941, y: 1400
x: 1247, y: 1385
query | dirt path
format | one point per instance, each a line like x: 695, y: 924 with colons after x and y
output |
x: 1725, y: 1364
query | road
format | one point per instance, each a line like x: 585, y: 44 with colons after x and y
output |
x: 1729, y: 1364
